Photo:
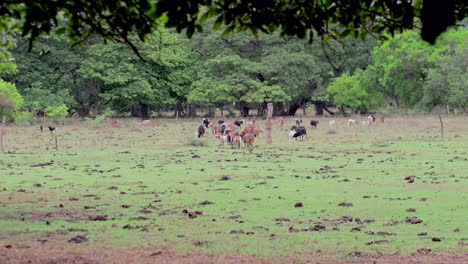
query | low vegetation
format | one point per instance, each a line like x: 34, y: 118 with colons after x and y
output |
x: 392, y: 188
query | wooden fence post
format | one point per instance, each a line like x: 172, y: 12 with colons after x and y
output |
x: 1, y: 134
x: 268, y: 123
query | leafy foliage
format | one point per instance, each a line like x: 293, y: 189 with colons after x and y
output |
x: 10, y: 100
x: 117, y: 20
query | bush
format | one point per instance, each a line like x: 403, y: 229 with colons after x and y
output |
x: 57, y: 111
x: 24, y: 118
x: 10, y: 100
x: 197, y: 142
x: 231, y: 114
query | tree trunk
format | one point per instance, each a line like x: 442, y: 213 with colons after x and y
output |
x: 178, y: 110
x: 278, y: 110
x: 140, y: 111
x: 245, y: 111
x: 304, y: 110
x: 268, y: 123
x: 293, y: 109
x: 319, y: 108
x: 192, y: 110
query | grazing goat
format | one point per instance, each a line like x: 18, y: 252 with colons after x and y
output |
x: 256, y: 131
x: 52, y: 129
x: 291, y: 133
x: 201, y: 131
x: 314, y: 123
x: 239, y: 123
x: 280, y: 121
x: 248, y: 140
x: 382, y: 118
x: 114, y: 122
x: 373, y: 118
x: 297, y: 132
x: 145, y: 122
x: 236, y: 139
x: 215, y: 130
x: 206, y: 122
x: 332, y: 125
x: 351, y: 122
x: 370, y: 119
x: 301, y: 132
x: 297, y: 121
x: 251, y: 129
x: 220, y: 122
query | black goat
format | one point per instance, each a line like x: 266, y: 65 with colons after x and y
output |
x: 206, y: 122
x: 52, y: 129
x: 314, y: 123
x: 238, y: 123
x: 300, y: 132
x: 220, y: 122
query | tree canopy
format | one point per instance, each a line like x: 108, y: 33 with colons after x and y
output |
x: 118, y: 19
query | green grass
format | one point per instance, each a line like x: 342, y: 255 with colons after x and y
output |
x: 153, y: 167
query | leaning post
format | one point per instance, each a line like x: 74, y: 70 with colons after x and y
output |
x: 1, y: 134
x: 268, y: 123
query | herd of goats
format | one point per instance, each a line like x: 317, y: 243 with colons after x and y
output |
x: 231, y: 133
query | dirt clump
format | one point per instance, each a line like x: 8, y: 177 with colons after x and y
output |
x: 413, y: 220
x: 345, y: 204
x: 78, y: 239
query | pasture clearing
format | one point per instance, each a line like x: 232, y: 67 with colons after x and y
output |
x: 150, y: 192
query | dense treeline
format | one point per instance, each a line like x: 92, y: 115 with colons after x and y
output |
x: 232, y: 73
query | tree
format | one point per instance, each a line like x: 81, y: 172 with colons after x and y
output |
x: 401, y: 63
x: 117, y: 20
x: 231, y: 80
x: 447, y: 81
x: 349, y: 92
x: 10, y: 100
x: 129, y: 84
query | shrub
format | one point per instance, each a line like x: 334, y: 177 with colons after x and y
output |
x: 57, y: 111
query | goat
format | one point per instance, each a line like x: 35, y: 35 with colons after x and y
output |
x: 291, y: 133
x: 256, y: 131
x: 331, y: 124
x: 301, y: 132
x: 201, y: 131
x: 314, y: 123
x: 370, y: 119
x: 280, y: 121
x: 351, y: 122
x: 239, y: 123
x: 220, y: 122
x: 248, y: 140
x: 52, y: 129
x: 114, y: 122
x: 236, y: 139
x: 382, y: 118
x: 206, y: 122
x: 145, y: 122
x: 297, y: 121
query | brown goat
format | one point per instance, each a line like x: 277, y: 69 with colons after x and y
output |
x: 248, y: 140
x: 280, y: 121
x: 114, y: 122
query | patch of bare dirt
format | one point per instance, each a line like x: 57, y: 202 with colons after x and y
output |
x: 90, y: 254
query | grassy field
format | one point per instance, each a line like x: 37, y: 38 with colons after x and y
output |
x: 343, y: 195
